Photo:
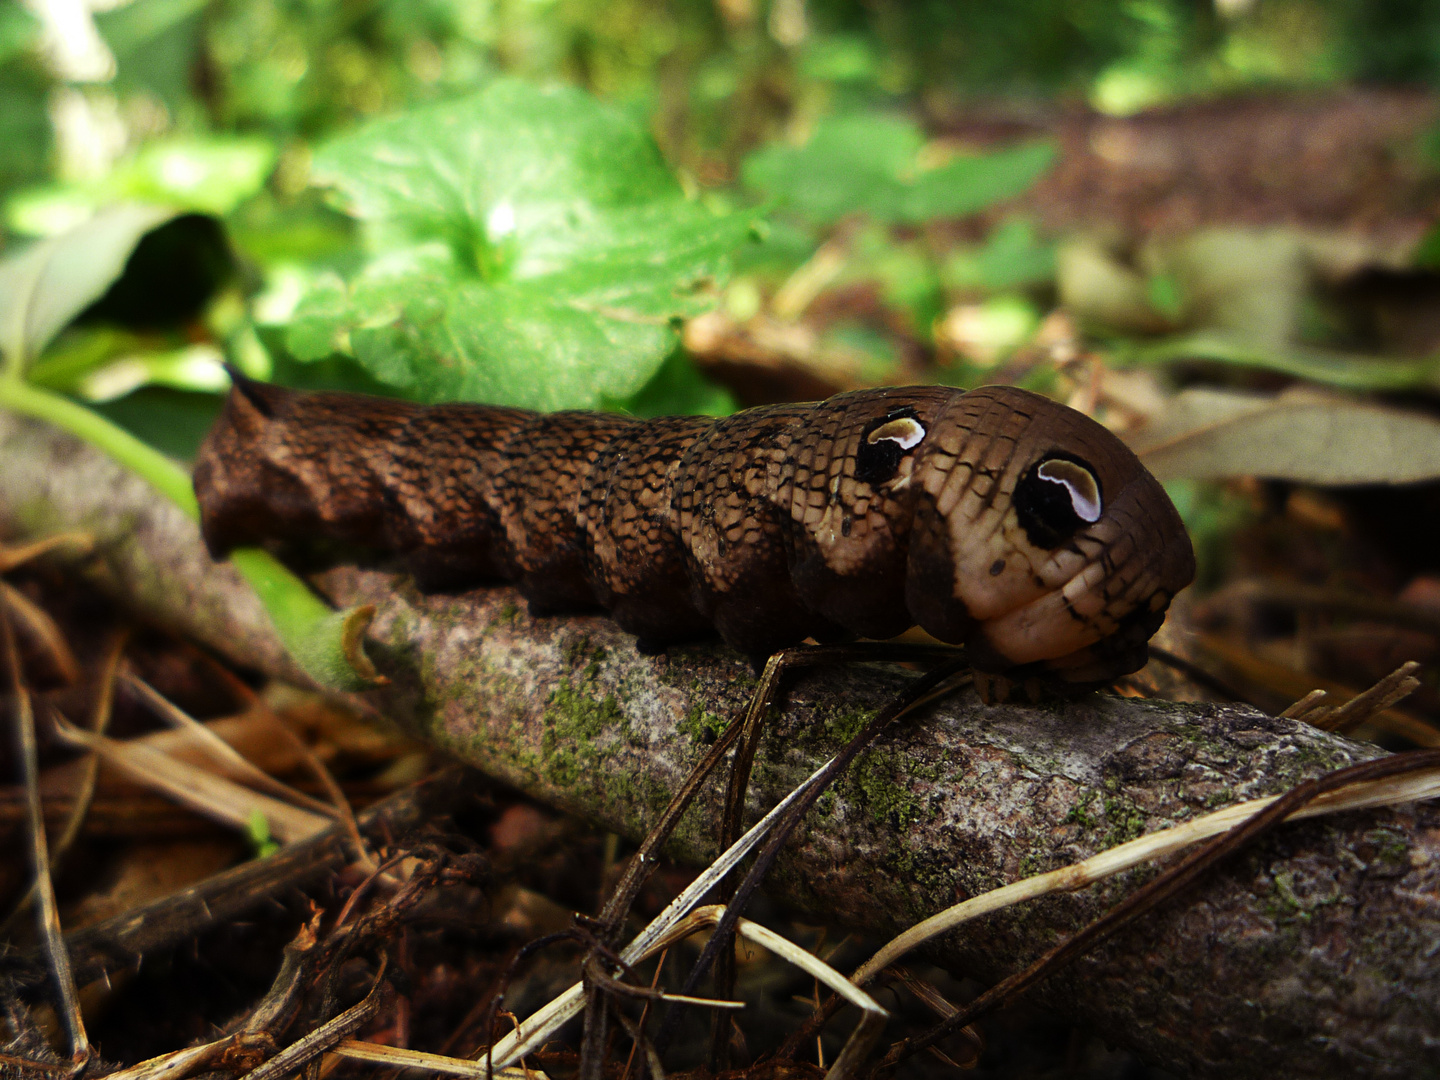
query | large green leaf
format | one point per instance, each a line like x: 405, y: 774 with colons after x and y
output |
x: 871, y: 163
x: 529, y: 248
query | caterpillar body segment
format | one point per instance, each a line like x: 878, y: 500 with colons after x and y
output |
x: 994, y: 518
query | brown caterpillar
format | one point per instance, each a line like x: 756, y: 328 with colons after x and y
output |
x: 994, y: 518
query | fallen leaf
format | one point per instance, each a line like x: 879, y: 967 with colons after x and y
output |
x: 1213, y: 434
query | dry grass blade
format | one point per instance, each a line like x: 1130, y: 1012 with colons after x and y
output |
x: 644, y: 861
x: 531, y: 1034
x: 1312, y: 702
x: 1296, y: 684
x: 806, y: 283
x: 49, y: 913
x: 1208, y: 680
x: 872, y: 1015
x: 99, y: 721
x: 217, y: 748
x: 338, y: 801
x: 401, y: 1058
x: 1416, y: 774
x: 638, y: 1039
x: 124, y: 939
x: 761, y: 700
x: 213, y: 796
x: 42, y: 630
x: 1395, y: 687
x: 1423, y: 784
x: 21, y: 1066
x: 1261, y: 592
x: 933, y: 1000
x: 928, y: 687
x: 325, y: 1037
x: 11, y: 557
x: 174, y: 1065
x: 650, y: 993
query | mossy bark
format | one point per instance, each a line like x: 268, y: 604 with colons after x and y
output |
x: 1314, y: 952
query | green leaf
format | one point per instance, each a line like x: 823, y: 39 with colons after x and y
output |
x: 19, y: 31
x: 1165, y: 295
x: 870, y: 163
x: 851, y: 164
x: 908, y: 281
x: 969, y: 184
x: 1212, y: 434
x: 102, y: 364
x: 319, y: 327
x: 174, y: 422
x: 1013, y: 256
x: 843, y: 58
x: 46, y: 285
x: 1427, y: 252
x: 679, y: 389
x: 257, y: 831
x: 530, y: 248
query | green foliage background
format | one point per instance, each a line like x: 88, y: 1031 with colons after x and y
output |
x: 783, y: 119
x: 351, y: 255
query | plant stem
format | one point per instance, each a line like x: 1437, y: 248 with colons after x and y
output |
x: 160, y: 471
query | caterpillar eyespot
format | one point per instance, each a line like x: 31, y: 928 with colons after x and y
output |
x: 994, y: 518
x: 1055, y: 498
x: 885, y: 443
x: 904, y: 431
x: 1078, y: 481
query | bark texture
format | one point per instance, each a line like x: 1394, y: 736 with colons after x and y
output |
x: 1314, y: 952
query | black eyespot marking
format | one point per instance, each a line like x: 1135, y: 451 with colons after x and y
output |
x: 1056, y: 497
x: 884, y: 443
x: 997, y: 568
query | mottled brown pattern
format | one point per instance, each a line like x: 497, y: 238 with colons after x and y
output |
x: 995, y: 518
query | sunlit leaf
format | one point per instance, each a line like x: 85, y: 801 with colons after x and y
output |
x: 1213, y: 434
x: 530, y: 247
x: 212, y: 174
x: 209, y: 175
x: 198, y: 367
x: 842, y: 58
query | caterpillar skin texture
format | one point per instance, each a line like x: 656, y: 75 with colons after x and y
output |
x: 994, y: 518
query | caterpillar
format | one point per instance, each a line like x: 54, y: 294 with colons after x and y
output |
x: 993, y: 518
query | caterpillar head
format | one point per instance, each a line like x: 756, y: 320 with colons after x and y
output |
x: 1039, y: 539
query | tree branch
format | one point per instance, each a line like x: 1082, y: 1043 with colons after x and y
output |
x: 1313, y: 952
